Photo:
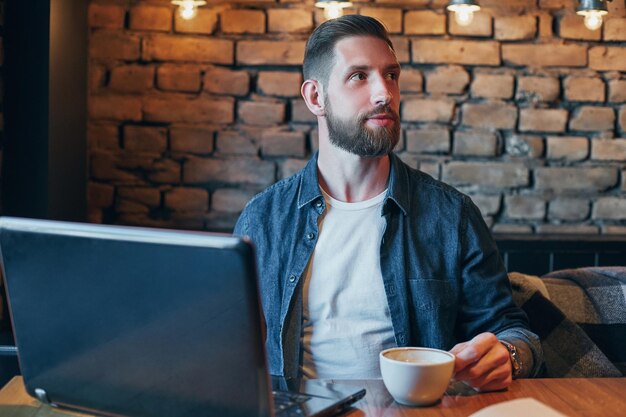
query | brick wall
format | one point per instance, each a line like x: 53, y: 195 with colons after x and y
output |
x: 525, y: 110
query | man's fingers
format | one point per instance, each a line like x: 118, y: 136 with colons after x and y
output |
x: 470, y: 352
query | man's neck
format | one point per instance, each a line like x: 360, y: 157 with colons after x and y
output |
x: 351, y: 178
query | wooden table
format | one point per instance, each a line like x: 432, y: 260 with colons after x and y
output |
x: 601, y: 397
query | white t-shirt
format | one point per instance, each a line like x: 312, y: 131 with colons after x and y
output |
x: 346, y: 316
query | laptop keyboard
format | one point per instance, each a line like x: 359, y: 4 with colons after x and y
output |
x: 287, y: 404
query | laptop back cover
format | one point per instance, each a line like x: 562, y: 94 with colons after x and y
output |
x: 135, y: 322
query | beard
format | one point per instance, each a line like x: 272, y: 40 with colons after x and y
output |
x: 355, y: 137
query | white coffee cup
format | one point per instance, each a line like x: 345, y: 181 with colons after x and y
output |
x: 416, y: 375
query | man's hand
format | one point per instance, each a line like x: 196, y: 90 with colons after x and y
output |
x: 483, y: 362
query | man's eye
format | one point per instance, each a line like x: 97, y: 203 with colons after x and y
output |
x: 359, y: 76
x: 392, y: 76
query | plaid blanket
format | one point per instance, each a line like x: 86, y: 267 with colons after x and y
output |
x: 580, y: 317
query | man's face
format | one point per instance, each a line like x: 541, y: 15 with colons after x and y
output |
x: 362, y: 100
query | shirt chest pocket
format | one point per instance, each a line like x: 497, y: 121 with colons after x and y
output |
x: 431, y: 294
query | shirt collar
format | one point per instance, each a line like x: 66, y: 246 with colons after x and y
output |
x: 398, y: 186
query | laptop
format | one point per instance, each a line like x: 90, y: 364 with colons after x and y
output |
x: 125, y: 321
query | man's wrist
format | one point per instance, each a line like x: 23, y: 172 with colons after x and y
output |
x: 517, y: 365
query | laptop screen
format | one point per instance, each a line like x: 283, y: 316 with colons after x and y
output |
x: 132, y: 321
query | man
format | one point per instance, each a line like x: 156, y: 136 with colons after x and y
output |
x: 358, y: 252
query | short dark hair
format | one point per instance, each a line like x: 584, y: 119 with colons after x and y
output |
x: 320, y: 48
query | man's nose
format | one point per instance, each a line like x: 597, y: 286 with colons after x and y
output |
x: 381, y: 92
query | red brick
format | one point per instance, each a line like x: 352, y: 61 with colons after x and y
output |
x: 414, y: 3
x: 145, y: 138
x: 229, y: 171
x: 563, y: 229
x: 289, y: 20
x: 492, y: 115
x: 545, y: 55
x: 97, y: 75
x: 144, y: 195
x: 608, y: 150
x: 434, y: 51
x: 538, y: 89
x: 613, y: 230
x: 300, y: 113
x: 191, y: 139
x: 283, y: 144
x: 189, y: 110
x: 265, y: 52
x: 584, y: 88
x: 111, y: 45
x: 235, y: 143
x: 224, y: 81
x: 571, y: 209
x: 428, y: 140
x: 165, y: 171
x: 590, y: 119
x: 524, y: 207
x: 280, y: 83
x: 609, y: 208
x: 127, y: 206
x: 187, y: 199
x: 622, y: 118
x: 391, y: 18
x: 402, y: 48
x: 572, y: 26
x: 132, y: 78
x: 570, y: 148
x: 515, y: 28
x: 617, y: 8
x: 243, y: 21
x: 145, y: 17
x: 531, y: 146
x: 587, y: 179
x: 108, y: 16
x: 230, y: 200
x: 290, y: 166
x: 617, y: 91
x: 615, y: 29
x: 173, y: 77
x: 104, y: 166
x: 500, y: 7
x: 103, y: 136
x: 475, y: 143
x: 558, y: 4
x: 481, y: 26
x: 545, y: 26
x: 99, y: 195
x: 493, y: 85
x: 486, y: 174
x: 186, y: 48
x: 411, y: 81
x: 607, y: 58
x: 261, y: 113
x: 488, y: 204
x: 543, y: 120
x: 114, y: 108
x: 428, y: 110
x: 204, y: 23
x: 452, y: 79
x: 519, y: 229
x: 424, y: 22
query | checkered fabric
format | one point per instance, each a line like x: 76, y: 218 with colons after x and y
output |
x: 580, y: 317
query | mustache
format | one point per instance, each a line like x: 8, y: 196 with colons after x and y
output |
x: 383, y: 109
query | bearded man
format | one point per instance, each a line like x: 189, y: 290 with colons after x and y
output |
x: 358, y: 252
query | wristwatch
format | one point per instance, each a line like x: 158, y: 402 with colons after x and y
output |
x: 516, y: 361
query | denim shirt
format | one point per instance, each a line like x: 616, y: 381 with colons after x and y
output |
x: 443, y: 277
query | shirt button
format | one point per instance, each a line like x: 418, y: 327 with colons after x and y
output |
x: 318, y: 203
x: 292, y: 278
x: 310, y: 236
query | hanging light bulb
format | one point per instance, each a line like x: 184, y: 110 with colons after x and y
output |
x: 593, y: 10
x: 332, y: 8
x: 188, y: 9
x: 463, y: 11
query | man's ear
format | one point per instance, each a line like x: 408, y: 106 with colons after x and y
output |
x: 313, y: 95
